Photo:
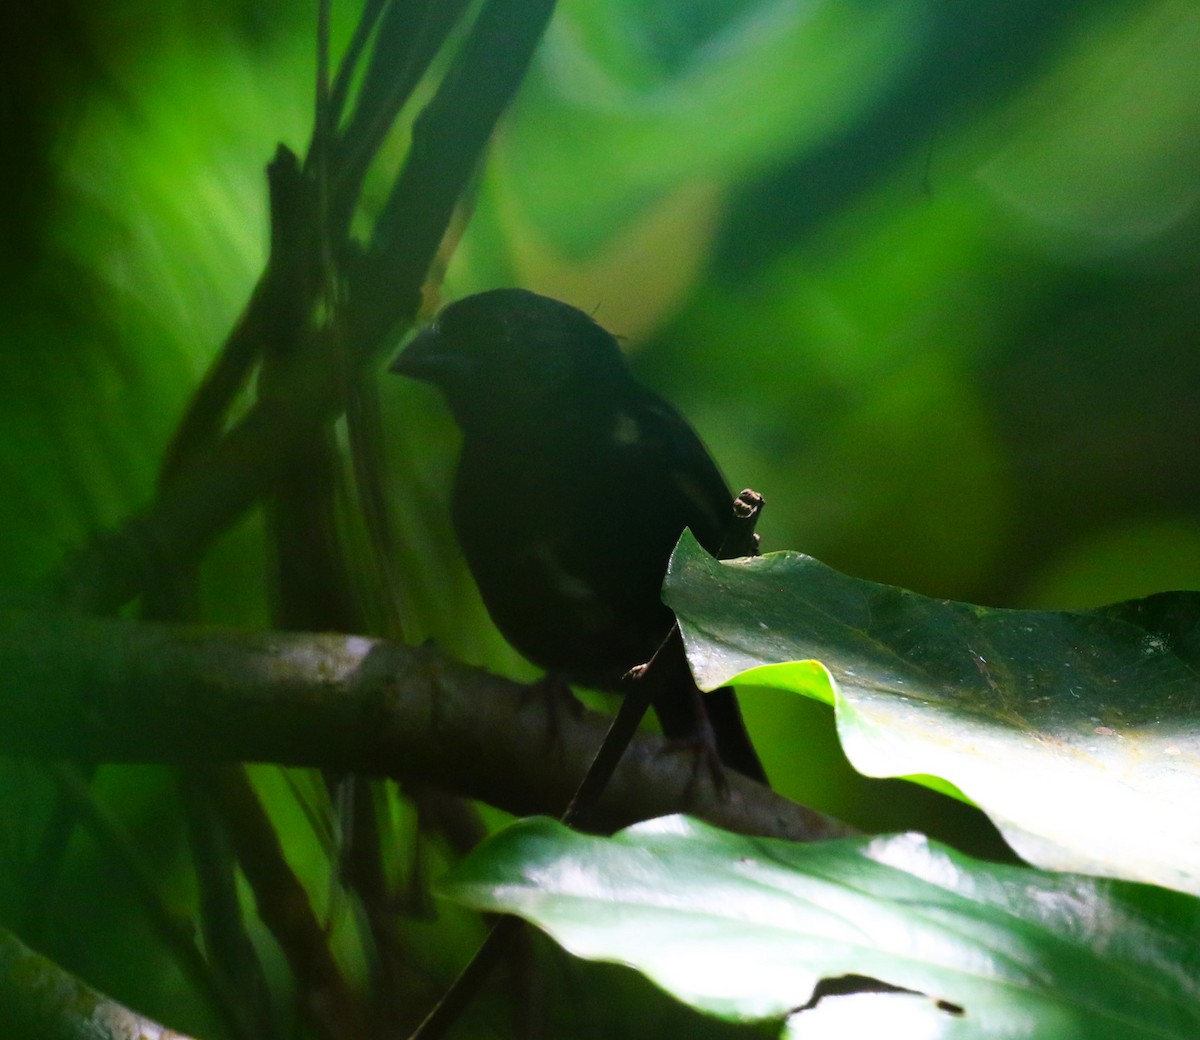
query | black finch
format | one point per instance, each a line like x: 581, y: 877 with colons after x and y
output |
x: 574, y: 484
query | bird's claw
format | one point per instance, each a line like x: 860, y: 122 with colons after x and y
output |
x: 702, y: 745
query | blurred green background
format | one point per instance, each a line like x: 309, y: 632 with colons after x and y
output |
x: 925, y: 274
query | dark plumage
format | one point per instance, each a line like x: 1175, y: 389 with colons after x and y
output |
x: 574, y: 484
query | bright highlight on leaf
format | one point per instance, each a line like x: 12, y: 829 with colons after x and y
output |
x: 1077, y: 732
x: 745, y: 927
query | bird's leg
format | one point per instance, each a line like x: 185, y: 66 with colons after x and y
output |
x: 555, y: 694
x: 701, y: 744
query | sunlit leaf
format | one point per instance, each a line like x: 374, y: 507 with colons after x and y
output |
x: 745, y: 927
x: 1078, y: 732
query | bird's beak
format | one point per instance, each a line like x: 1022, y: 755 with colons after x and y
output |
x: 423, y: 358
x: 415, y: 359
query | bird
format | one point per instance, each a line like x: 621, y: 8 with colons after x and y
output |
x: 573, y: 484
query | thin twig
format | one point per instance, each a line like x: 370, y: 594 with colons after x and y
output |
x: 739, y: 538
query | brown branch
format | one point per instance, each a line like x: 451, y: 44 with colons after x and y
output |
x: 40, y: 999
x: 111, y: 690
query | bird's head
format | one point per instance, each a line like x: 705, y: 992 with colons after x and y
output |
x: 508, y: 353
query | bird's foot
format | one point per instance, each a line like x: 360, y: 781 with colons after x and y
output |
x: 702, y: 746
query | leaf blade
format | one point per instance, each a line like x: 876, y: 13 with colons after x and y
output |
x: 1042, y: 718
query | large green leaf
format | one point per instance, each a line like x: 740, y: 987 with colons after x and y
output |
x: 744, y: 928
x: 1078, y: 732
